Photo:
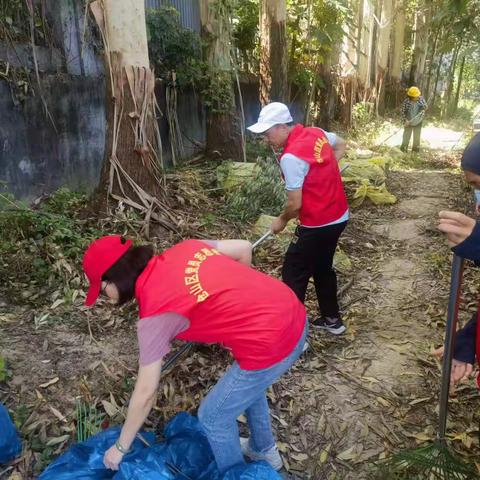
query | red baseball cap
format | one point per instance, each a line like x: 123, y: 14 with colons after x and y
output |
x: 98, y: 258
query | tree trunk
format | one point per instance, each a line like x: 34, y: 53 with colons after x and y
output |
x: 383, y: 47
x: 291, y: 58
x: 450, y: 81
x: 347, y: 94
x: 430, y: 65
x: 420, y: 44
x: 394, y: 92
x: 398, y: 43
x: 224, y: 136
x: 459, y: 84
x: 360, y: 33
x: 132, y: 164
x: 366, y: 45
x: 273, y: 51
x: 345, y: 53
x: 338, y: 67
x: 309, y: 107
x: 437, y: 76
x: 374, y: 47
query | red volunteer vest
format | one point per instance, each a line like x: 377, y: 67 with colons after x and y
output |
x: 323, y: 197
x: 255, y: 316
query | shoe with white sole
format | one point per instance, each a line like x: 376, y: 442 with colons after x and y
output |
x: 332, y: 325
x: 271, y: 456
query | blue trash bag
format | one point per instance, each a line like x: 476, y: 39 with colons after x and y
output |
x: 190, y: 452
x: 10, y: 445
x: 84, y: 461
x: 186, y: 449
x: 185, y: 454
x: 252, y: 471
x: 148, y: 464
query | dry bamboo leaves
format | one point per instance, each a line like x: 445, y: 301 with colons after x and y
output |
x: 53, y: 381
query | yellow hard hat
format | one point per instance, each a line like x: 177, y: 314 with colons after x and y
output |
x: 413, y: 92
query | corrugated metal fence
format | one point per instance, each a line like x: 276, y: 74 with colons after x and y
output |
x: 189, y: 11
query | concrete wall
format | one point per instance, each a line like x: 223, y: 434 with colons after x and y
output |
x: 35, y: 156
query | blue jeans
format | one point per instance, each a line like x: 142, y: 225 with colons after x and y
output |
x: 240, y: 391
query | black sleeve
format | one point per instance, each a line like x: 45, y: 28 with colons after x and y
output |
x: 465, y: 342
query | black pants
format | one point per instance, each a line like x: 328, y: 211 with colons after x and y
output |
x: 311, y: 254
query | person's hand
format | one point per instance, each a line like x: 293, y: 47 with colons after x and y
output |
x: 407, y: 123
x: 278, y: 225
x: 461, y: 371
x: 456, y: 225
x: 112, y: 458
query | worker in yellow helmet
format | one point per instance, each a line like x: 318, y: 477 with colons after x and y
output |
x: 413, y: 112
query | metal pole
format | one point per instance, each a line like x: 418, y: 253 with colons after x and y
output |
x: 450, y: 330
x: 176, y: 355
x: 261, y: 239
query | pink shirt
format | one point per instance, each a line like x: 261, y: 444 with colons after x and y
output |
x: 156, y: 333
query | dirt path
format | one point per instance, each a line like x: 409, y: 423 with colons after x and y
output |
x: 367, y: 394
x: 432, y: 137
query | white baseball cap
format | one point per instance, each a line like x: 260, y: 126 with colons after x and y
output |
x: 270, y: 115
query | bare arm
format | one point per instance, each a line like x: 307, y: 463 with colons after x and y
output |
x: 339, y: 149
x: 239, y: 250
x: 294, y: 203
x: 141, y: 403
x: 291, y: 210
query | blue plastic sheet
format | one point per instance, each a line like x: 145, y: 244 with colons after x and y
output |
x: 184, y: 455
x: 253, y: 471
x: 84, y: 461
x: 10, y: 445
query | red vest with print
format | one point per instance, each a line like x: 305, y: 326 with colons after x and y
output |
x: 255, y: 316
x: 323, y: 197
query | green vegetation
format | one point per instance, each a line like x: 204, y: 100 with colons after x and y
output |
x: 43, y: 247
x: 263, y: 193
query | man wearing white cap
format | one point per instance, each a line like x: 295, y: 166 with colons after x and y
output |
x: 315, y: 195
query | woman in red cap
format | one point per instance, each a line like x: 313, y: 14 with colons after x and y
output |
x: 204, y: 292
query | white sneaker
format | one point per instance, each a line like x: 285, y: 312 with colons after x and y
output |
x: 272, y: 456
